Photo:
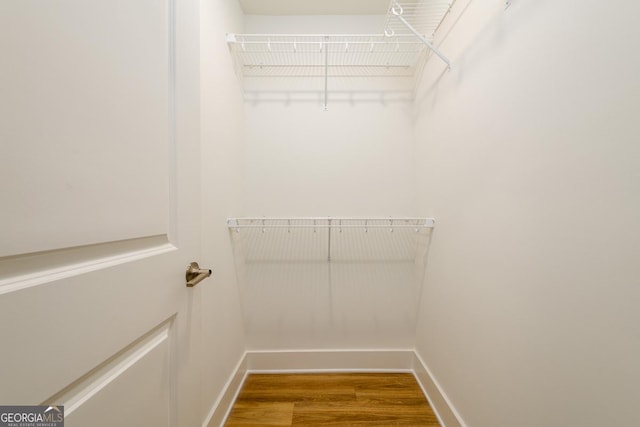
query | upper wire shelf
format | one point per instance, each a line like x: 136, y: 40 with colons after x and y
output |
x: 423, y: 15
x: 400, y: 50
x: 349, y: 55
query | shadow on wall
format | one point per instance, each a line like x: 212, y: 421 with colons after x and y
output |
x: 479, y: 47
x: 330, y: 289
x: 349, y: 97
x: 344, y: 89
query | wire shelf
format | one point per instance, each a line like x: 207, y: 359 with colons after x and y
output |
x: 338, y: 226
x: 390, y: 223
x: 401, y: 50
x: 343, y: 55
x: 423, y: 15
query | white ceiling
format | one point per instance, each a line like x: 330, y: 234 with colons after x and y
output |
x: 315, y: 7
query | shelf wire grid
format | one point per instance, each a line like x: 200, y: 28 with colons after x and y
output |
x: 345, y: 56
x: 423, y: 15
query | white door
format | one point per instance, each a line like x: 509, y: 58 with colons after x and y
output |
x: 99, y: 209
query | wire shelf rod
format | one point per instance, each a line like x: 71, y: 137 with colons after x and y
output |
x: 234, y: 226
x: 342, y: 43
x: 322, y: 66
x: 331, y: 222
x: 237, y: 38
x: 333, y: 218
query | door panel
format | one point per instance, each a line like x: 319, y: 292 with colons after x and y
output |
x: 87, y: 88
x: 61, y: 330
x: 100, y: 208
x: 91, y: 401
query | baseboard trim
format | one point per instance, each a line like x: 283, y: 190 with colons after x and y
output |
x: 334, y: 361
x: 330, y: 360
x: 442, y: 406
x: 221, y: 408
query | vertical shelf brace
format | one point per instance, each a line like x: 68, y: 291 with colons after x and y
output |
x: 329, y: 241
x: 326, y: 72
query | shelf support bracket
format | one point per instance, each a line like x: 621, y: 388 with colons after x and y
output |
x: 398, y: 14
x: 326, y: 72
x: 329, y: 241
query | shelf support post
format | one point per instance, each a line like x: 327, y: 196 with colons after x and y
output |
x: 326, y: 71
x: 329, y: 242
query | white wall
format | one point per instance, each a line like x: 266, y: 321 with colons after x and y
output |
x: 366, y: 297
x: 353, y: 160
x: 528, y: 156
x: 314, y: 24
x: 222, y: 160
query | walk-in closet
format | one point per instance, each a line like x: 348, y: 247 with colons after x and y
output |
x: 502, y: 130
x: 434, y: 203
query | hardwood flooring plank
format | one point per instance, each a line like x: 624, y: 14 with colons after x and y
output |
x: 351, y: 399
x: 295, y: 388
x: 247, y: 414
x: 362, y: 413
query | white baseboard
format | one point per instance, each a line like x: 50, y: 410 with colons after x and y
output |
x: 221, y: 408
x: 330, y: 360
x: 334, y: 361
x: 442, y: 406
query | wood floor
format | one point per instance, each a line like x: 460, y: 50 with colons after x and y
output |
x: 358, y: 399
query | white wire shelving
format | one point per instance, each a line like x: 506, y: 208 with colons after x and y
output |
x: 423, y: 15
x: 330, y: 225
x: 389, y: 223
x: 350, y: 55
x: 421, y: 18
x: 399, y: 50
